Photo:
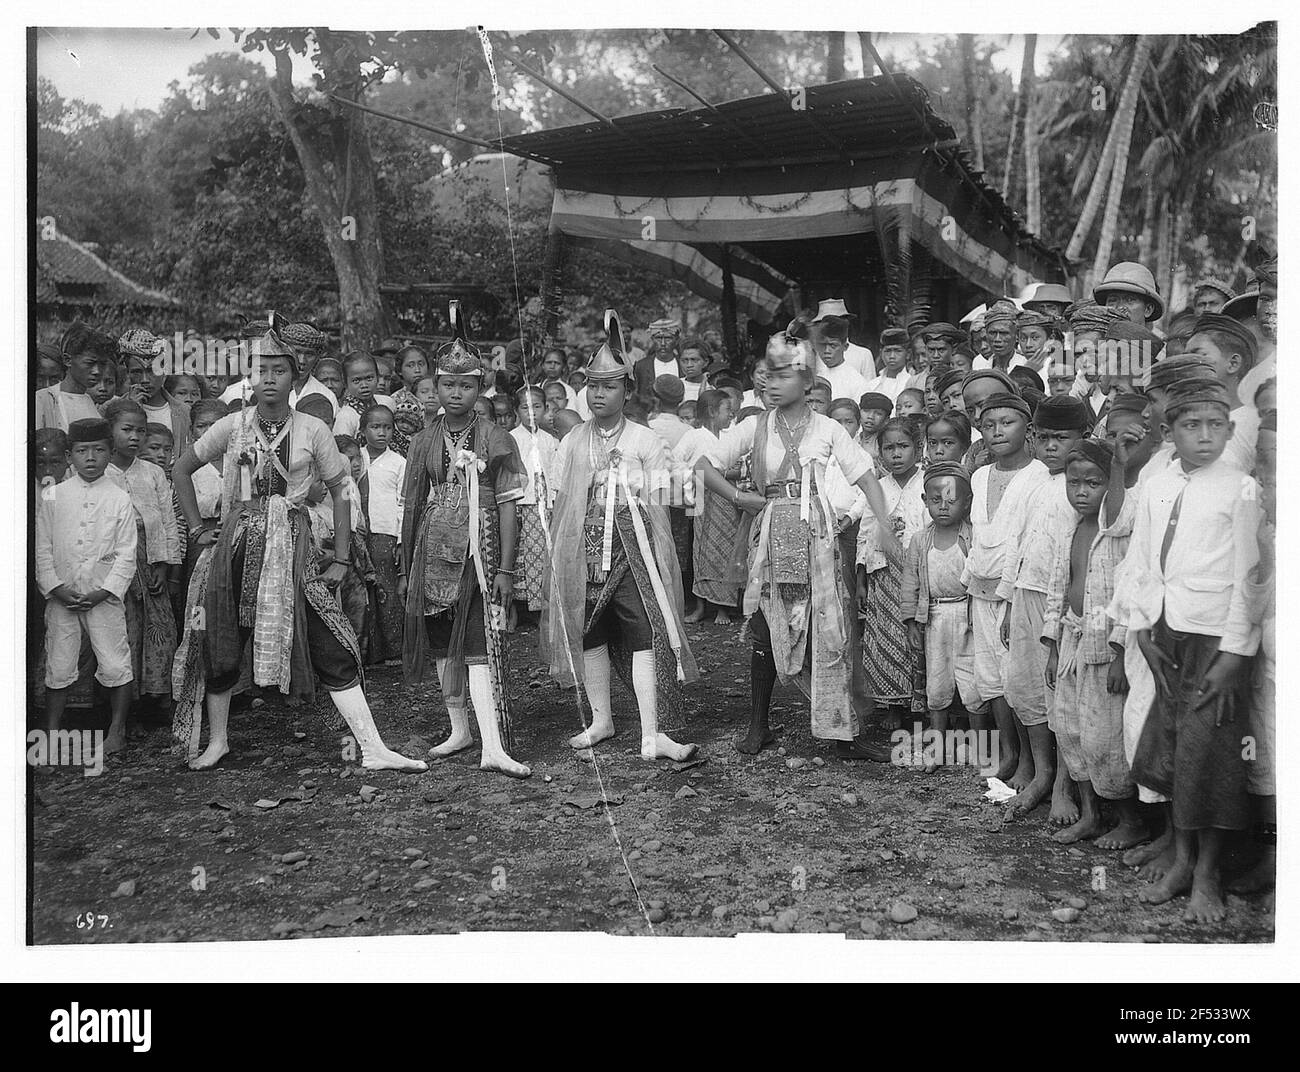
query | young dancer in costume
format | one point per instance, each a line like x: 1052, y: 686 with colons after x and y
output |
x: 618, y: 600
x: 463, y: 478
x: 796, y: 600
x: 263, y: 577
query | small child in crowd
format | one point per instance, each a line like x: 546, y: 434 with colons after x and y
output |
x: 85, y: 562
x: 150, y: 618
x: 381, y: 503
x: 1085, y: 663
x: 891, y: 665
x: 934, y: 604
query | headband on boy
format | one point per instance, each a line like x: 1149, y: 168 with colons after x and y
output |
x: 1061, y: 413
x: 1091, y: 450
x: 1006, y: 401
x: 1196, y: 391
x: 875, y: 400
x: 992, y: 374
x: 953, y: 469
x: 947, y: 380
x: 1128, y: 402
x: 1234, y: 329
x: 1165, y: 373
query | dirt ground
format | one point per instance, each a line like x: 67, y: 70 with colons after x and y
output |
x: 153, y: 852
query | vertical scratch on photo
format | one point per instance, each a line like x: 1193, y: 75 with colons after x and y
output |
x: 486, y: 42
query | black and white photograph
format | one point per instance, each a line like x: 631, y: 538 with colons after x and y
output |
x: 652, y: 483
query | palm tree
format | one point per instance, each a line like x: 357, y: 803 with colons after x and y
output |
x: 1019, y: 116
x: 1101, y: 158
x: 1123, y: 123
x: 974, y: 126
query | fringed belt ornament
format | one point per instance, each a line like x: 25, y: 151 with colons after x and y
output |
x: 617, y: 478
x: 446, y: 519
x: 467, y: 462
x: 276, y: 591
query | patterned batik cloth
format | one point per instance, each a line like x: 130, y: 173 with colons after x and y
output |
x: 887, y: 660
x: 386, y: 631
x: 150, y: 628
x: 715, y: 547
x: 626, y: 557
x: 1089, y: 721
x: 530, y: 562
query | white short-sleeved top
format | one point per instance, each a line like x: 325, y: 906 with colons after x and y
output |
x: 312, y: 452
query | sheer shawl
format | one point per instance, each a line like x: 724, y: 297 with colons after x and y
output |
x: 648, y: 476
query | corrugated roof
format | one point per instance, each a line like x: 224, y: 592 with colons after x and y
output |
x: 66, y: 271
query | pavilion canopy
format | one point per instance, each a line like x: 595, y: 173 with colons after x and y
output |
x: 859, y: 184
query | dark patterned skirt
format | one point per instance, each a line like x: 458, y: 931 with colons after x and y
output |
x: 390, y: 613
x: 888, y: 663
x: 532, y: 558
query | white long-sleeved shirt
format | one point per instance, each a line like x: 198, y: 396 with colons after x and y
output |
x: 845, y: 380
x: 1051, y: 524
x: 85, y: 537
x: 151, y: 495
x: 890, y: 386
x: 1240, y: 451
x: 996, y: 537
x: 386, y: 477
x: 1201, y: 586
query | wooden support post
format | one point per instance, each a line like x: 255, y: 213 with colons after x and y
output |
x: 729, y: 335
x: 553, y: 256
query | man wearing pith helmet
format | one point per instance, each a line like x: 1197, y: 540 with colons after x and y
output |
x: 1130, y: 288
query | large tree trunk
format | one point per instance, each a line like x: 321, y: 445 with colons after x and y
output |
x: 974, y: 124
x: 341, y: 191
x: 1124, y: 122
x: 835, y: 56
x: 1018, y: 118
x: 1033, y: 197
x: 1092, y: 204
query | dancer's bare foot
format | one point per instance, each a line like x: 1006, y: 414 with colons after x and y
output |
x: 892, y: 720
x: 722, y: 618
x: 503, y: 764
x: 598, y: 731
x: 756, y: 740
x: 1065, y: 812
x: 1024, y: 772
x: 1261, y: 877
x: 696, y: 615
x: 210, y: 756
x: 1088, y: 826
x: 1177, y: 880
x: 114, y: 741
x: 1206, y: 904
x: 456, y: 742
x: 1123, y: 835
x: 383, y: 758
x: 1029, y: 798
x: 1152, y: 850
x: 1153, y: 859
x: 664, y: 747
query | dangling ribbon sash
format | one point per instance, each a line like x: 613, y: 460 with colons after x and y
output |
x: 652, y: 568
